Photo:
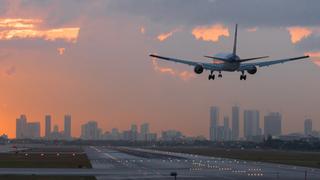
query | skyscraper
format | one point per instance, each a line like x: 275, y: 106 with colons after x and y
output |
x: 90, y: 131
x: 235, y: 123
x: 226, y: 129
x: 67, y: 126
x: 144, y: 131
x: 308, y: 127
x: 214, y: 119
x: 272, y: 124
x: 251, y: 124
x: 21, y: 127
x: 47, y: 126
x: 33, y: 130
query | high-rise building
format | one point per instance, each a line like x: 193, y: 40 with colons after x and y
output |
x: 226, y: 129
x: 47, y: 126
x: 90, y: 131
x: 272, y: 124
x: 67, y: 126
x: 235, y: 123
x: 214, y: 119
x: 134, y: 132
x: 33, y: 130
x: 144, y: 131
x: 21, y: 127
x: 251, y: 124
x: 308, y: 127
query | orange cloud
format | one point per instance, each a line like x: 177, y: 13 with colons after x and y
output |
x: 18, y: 23
x: 315, y: 57
x: 27, y: 29
x: 142, y: 30
x: 298, y: 33
x: 164, y: 36
x: 184, y: 75
x: 210, y: 33
x: 254, y: 29
x: 61, y: 50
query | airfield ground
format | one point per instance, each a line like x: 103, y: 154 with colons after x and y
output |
x: 308, y: 159
x: 45, y: 157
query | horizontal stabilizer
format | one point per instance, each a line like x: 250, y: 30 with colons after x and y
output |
x: 251, y: 59
x: 218, y: 58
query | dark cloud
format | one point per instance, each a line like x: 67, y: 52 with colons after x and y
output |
x: 245, y: 12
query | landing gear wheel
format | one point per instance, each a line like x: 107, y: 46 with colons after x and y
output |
x: 220, y: 76
x: 243, y: 77
x: 211, y: 77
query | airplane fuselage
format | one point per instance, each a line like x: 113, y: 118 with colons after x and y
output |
x: 232, y: 65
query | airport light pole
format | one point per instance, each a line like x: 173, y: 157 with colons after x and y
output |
x: 174, y: 174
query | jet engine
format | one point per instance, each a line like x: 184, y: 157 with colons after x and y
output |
x: 252, y: 70
x: 198, y: 69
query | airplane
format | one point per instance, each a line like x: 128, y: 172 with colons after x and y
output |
x: 231, y: 62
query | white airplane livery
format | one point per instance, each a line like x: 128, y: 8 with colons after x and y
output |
x: 231, y: 62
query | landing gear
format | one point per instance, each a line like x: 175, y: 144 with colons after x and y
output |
x: 211, y: 76
x: 220, y: 75
x: 243, y: 76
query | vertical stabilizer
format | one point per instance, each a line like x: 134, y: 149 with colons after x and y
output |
x: 235, y: 40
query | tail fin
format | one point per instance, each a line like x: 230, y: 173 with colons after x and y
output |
x: 235, y: 40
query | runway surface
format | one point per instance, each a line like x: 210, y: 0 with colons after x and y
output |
x: 151, y: 164
x: 133, y: 163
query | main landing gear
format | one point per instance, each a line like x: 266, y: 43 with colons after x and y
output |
x: 211, y: 76
x: 243, y: 76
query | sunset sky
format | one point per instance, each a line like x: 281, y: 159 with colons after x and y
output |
x: 89, y: 58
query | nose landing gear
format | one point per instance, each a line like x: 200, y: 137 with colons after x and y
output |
x: 220, y: 75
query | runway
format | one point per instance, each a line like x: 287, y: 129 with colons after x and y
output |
x: 135, y: 163
x: 158, y: 165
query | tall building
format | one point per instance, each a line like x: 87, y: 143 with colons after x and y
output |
x: 33, y: 130
x: 227, y: 133
x: 235, y: 123
x: 224, y: 132
x: 272, y: 124
x: 214, y: 119
x: 134, y: 132
x: 21, y: 127
x: 251, y: 124
x: 47, y: 126
x: 144, y: 131
x: 308, y: 127
x: 67, y: 126
x: 90, y: 131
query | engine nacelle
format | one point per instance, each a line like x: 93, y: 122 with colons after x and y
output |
x: 252, y: 70
x: 198, y: 69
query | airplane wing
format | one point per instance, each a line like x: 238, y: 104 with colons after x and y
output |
x: 207, y: 66
x: 244, y: 66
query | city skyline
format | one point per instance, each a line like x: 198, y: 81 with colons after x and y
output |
x: 249, y: 123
